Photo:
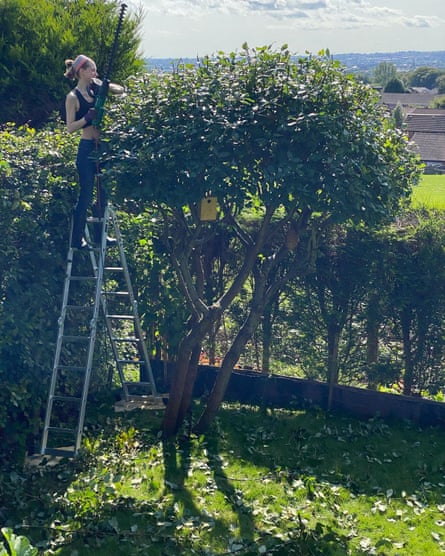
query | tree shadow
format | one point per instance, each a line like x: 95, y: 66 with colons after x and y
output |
x: 365, y: 457
x: 234, y: 496
x: 309, y: 447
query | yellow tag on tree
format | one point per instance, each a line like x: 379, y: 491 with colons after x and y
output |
x: 207, y: 210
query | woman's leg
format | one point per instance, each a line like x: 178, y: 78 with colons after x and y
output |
x: 86, y: 167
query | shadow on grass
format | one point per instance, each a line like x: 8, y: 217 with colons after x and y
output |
x: 313, y: 447
x: 366, y: 457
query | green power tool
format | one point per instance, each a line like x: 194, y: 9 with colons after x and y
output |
x: 105, y: 85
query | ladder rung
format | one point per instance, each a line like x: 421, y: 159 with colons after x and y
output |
x: 71, y: 399
x: 113, y: 268
x: 61, y: 430
x: 59, y: 452
x: 71, y: 368
x: 114, y: 293
x: 123, y: 317
x: 76, y: 338
x: 128, y: 383
x: 123, y: 340
x: 95, y: 219
x: 82, y: 278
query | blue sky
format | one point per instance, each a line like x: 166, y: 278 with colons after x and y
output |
x: 190, y: 28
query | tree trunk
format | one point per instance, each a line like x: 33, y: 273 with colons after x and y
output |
x: 213, y: 341
x: 222, y: 380
x: 372, y: 350
x: 406, y: 320
x: 267, y: 339
x: 187, y: 394
x: 333, y: 366
x: 176, y: 408
x: 170, y: 423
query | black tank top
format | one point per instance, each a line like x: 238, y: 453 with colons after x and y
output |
x: 84, y: 105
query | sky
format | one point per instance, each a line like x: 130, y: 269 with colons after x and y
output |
x: 195, y: 28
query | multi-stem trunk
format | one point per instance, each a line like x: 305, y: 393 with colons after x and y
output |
x: 183, y: 378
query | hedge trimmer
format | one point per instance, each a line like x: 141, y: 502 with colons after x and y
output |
x: 105, y: 85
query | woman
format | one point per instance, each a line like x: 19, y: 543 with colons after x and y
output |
x: 80, y: 115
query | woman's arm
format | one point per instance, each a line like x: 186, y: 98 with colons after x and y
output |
x: 71, y: 107
x: 116, y: 89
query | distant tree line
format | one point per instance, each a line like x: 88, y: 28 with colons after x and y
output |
x: 392, y: 80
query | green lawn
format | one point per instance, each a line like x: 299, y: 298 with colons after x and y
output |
x: 430, y: 192
x: 272, y: 482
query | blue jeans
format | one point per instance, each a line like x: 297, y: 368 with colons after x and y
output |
x: 88, y: 170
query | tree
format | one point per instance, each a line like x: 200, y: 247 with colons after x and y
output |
x: 36, y: 39
x: 417, y: 300
x: 394, y: 85
x: 340, y: 281
x: 398, y: 116
x: 425, y: 77
x: 385, y: 72
x: 441, y: 85
x: 438, y: 102
x: 288, y: 147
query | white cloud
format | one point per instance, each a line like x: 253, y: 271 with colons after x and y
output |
x: 361, y: 12
x: 422, y: 21
x: 187, y: 26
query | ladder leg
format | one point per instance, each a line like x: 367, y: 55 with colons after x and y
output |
x: 68, y: 391
x: 134, y: 343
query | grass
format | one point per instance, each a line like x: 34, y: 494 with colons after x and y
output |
x: 263, y: 481
x: 430, y: 192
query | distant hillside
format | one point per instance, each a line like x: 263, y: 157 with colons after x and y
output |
x: 405, y: 61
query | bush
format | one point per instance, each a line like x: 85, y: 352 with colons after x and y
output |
x: 37, y: 192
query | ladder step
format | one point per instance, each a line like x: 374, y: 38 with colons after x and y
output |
x: 95, y: 219
x: 61, y: 430
x: 83, y: 278
x: 71, y: 368
x: 128, y: 340
x: 59, y: 452
x: 123, y: 317
x: 113, y: 268
x: 76, y: 338
x: 129, y: 383
x: 71, y: 399
x: 114, y: 293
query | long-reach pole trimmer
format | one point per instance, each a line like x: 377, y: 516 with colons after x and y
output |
x: 103, y: 90
x: 98, y: 208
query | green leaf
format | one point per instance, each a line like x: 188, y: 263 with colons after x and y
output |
x: 17, y: 545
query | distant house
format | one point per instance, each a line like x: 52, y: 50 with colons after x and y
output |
x: 408, y: 100
x: 426, y: 128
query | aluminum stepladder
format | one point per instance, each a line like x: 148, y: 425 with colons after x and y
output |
x: 105, y: 290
